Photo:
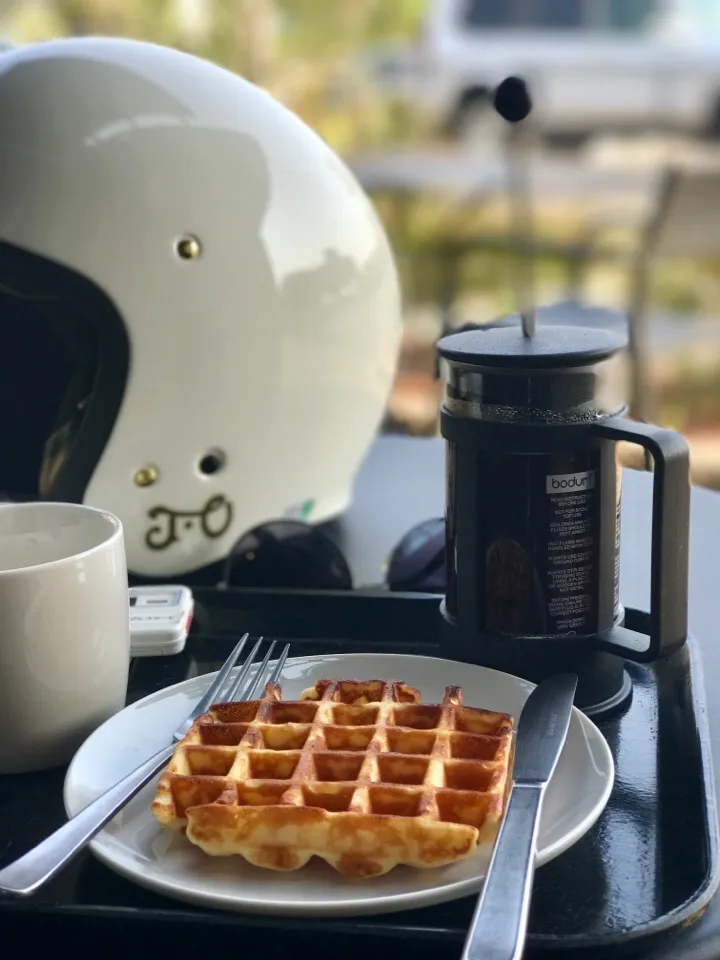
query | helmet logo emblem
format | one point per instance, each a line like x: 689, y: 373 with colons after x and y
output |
x: 212, y: 521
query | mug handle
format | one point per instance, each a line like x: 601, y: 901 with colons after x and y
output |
x: 670, y: 535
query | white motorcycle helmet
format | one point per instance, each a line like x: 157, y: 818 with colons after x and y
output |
x: 214, y: 283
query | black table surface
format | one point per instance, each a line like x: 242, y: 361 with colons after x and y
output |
x: 402, y: 483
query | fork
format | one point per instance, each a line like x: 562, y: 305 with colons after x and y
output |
x: 34, y: 869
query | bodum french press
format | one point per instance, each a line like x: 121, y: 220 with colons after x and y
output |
x: 533, y: 511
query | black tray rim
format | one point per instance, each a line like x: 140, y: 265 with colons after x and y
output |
x: 692, y: 910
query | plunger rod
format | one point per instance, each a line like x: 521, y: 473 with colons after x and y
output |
x: 512, y: 102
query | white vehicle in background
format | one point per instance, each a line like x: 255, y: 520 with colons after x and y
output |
x: 592, y: 65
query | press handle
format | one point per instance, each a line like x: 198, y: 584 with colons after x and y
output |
x: 670, y: 530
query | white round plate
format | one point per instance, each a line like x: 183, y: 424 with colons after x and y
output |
x: 135, y: 846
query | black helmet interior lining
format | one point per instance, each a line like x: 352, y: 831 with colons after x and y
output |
x: 63, y: 371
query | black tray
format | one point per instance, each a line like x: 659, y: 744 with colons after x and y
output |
x: 649, y: 866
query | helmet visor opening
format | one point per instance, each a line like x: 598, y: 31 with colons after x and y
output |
x: 63, y: 368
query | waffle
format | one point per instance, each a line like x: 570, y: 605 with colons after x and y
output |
x: 360, y: 774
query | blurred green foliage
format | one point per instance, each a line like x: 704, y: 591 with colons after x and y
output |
x: 691, y: 399
x: 304, y: 51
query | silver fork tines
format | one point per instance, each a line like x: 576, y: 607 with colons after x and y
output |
x: 279, y: 665
x: 39, y: 865
x: 253, y: 685
x: 212, y: 694
x: 242, y: 673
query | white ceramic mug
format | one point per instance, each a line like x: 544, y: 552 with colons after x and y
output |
x: 64, y: 630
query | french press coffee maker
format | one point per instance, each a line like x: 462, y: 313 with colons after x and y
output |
x: 533, y: 511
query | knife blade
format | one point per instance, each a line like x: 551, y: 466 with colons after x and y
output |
x: 542, y: 729
x: 499, y: 924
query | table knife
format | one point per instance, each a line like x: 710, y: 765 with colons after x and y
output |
x: 499, y: 925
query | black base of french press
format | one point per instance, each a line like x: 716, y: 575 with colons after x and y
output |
x: 604, y: 685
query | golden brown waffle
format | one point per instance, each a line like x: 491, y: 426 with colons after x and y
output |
x: 360, y: 774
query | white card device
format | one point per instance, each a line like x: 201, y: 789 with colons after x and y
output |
x: 160, y: 619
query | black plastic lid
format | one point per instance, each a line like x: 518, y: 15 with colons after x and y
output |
x: 552, y: 348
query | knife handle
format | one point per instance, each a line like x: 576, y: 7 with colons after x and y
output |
x: 498, y: 926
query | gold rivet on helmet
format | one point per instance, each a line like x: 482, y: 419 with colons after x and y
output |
x: 145, y: 476
x: 188, y: 247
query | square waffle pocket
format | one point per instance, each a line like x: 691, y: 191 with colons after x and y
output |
x: 358, y: 773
